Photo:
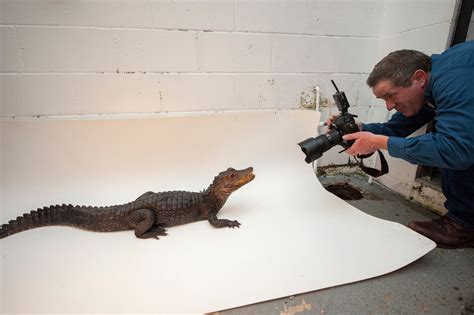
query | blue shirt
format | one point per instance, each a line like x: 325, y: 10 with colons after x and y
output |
x: 451, y: 91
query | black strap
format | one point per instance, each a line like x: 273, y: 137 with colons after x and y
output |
x: 370, y: 170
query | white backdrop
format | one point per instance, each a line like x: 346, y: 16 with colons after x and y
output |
x: 295, y: 237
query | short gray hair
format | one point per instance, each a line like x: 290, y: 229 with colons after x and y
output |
x: 398, y: 67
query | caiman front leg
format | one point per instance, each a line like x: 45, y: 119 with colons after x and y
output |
x: 142, y: 221
x: 220, y: 223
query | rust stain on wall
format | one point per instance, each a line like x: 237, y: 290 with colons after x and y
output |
x: 308, y: 100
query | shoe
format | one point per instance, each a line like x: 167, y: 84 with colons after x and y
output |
x: 445, y: 232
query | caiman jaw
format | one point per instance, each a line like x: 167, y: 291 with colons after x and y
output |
x: 247, y: 176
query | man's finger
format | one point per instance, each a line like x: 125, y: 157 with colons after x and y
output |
x: 351, y: 136
x: 330, y: 119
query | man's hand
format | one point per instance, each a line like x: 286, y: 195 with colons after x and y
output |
x: 331, y: 118
x: 365, y: 142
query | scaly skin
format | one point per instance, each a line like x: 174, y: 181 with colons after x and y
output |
x: 148, y: 215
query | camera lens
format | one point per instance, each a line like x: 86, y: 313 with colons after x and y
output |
x: 314, y: 148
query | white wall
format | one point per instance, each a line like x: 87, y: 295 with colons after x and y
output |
x: 96, y: 56
x: 77, y: 57
x: 90, y: 57
x: 470, y: 32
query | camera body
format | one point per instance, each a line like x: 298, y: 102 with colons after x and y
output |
x: 344, y: 124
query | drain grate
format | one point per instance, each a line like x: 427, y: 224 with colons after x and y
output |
x: 344, y: 191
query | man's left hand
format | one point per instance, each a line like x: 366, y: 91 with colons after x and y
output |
x: 365, y: 142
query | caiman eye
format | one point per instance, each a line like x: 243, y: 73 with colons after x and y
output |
x: 232, y: 176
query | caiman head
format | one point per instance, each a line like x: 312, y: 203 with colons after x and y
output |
x: 230, y: 180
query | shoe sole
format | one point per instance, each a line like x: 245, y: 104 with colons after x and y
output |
x: 421, y: 231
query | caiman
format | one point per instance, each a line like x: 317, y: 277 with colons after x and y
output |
x: 148, y: 215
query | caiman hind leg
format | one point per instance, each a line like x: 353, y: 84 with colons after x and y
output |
x: 156, y: 231
x: 143, y: 222
x: 220, y: 223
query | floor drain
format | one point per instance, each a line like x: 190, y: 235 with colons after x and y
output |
x: 344, y: 191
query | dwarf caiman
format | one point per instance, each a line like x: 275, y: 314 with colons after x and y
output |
x: 148, y: 215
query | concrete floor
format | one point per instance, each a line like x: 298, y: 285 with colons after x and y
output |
x: 441, y: 282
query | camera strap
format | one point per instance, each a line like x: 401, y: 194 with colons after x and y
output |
x: 370, y: 170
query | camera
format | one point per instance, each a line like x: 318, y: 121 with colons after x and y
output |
x: 344, y: 124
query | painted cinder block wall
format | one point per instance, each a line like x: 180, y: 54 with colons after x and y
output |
x: 77, y: 57
x: 470, y: 32
x: 94, y: 57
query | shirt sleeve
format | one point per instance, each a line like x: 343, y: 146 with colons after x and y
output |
x: 452, y: 145
x: 401, y: 126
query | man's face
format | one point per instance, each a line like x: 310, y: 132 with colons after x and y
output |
x: 406, y: 100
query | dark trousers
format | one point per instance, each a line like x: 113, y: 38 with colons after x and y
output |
x: 458, y: 187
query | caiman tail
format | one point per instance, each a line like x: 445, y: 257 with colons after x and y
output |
x: 99, y: 219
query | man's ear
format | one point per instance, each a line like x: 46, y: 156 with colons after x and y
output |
x: 420, y: 78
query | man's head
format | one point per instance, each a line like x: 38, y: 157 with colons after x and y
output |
x: 400, y: 79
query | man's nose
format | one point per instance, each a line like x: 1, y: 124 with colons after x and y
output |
x: 390, y: 105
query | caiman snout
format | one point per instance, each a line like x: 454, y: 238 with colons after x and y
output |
x: 246, y: 176
x: 232, y: 179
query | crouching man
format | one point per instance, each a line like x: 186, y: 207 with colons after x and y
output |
x: 421, y: 88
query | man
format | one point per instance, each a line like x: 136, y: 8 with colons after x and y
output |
x: 421, y: 88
